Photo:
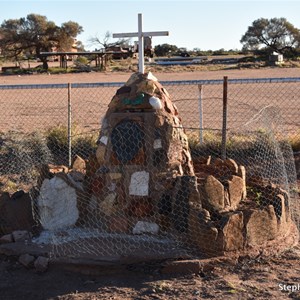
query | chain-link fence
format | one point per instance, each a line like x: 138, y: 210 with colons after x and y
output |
x: 149, y: 170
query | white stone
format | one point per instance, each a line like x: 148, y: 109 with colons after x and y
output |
x: 150, y: 76
x: 104, y: 139
x: 157, y: 144
x: 139, y: 184
x: 112, y: 187
x: 57, y: 204
x: 155, y: 102
x: 145, y: 227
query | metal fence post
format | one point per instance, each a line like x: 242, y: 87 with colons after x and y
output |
x: 69, y: 126
x: 200, y: 113
x: 224, y: 127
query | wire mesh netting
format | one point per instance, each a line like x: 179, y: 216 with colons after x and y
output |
x: 138, y: 169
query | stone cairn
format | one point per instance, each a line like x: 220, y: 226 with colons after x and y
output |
x: 143, y: 171
x: 143, y: 180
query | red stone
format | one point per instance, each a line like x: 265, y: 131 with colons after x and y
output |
x: 97, y: 184
x: 119, y: 224
x: 140, y: 208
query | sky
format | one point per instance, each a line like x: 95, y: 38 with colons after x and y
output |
x: 191, y: 24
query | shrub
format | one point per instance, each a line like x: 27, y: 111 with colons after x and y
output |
x: 82, y: 143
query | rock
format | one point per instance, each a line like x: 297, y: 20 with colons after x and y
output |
x: 97, y: 184
x: 242, y: 174
x: 119, y: 224
x: 232, y: 166
x: 200, y: 162
x: 202, y: 233
x: 214, y: 191
x: 159, y: 121
x: 41, y: 264
x: 6, y: 239
x: 115, y: 176
x: 231, y: 237
x: 140, y: 207
x: 261, y: 225
x: 147, y: 87
x: 157, y: 144
x: 123, y: 90
x: 53, y: 169
x: 92, y: 165
x: 235, y: 190
x: 26, y: 260
x: 107, y: 206
x: 15, y: 212
x: 20, y: 235
x: 77, y: 176
x: 142, y: 227
x: 150, y: 76
x: 100, y: 154
x: 184, y: 190
x: 139, y: 184
x: 79, y: 164
x: 155, y: 102
x: 57, y: 204
x: 281, y: 212
x: 104, y: 140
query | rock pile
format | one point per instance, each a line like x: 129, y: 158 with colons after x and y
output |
x: 143, y: 166
x: 229, y: 220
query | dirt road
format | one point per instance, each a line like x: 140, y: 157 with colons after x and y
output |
x: 121, y: 77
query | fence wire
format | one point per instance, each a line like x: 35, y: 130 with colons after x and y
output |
x: 140, y: 180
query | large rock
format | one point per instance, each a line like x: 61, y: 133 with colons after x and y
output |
x: 214, y: 192
x: 79, y: 164
x: 26, y: 260
x: 231, y: 236
x: 57, y: 204
x: 261, y: 225
x: 15, y: 212
x: 232, y: 166
x: 185, y: 193
x: 202, y: 233
x: 235, y: 190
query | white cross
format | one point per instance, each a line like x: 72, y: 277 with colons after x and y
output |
x: 140, y: 34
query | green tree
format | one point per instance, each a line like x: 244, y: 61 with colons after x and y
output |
x: 165, y: 49
x: 35, y: 34
x: 277, y: 34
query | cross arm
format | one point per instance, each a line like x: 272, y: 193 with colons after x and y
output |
x: 135, y: 34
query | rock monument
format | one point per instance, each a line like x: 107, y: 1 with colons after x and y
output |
x: 144, y: 167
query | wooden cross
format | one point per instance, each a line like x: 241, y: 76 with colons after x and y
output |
x: 140, y: 34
